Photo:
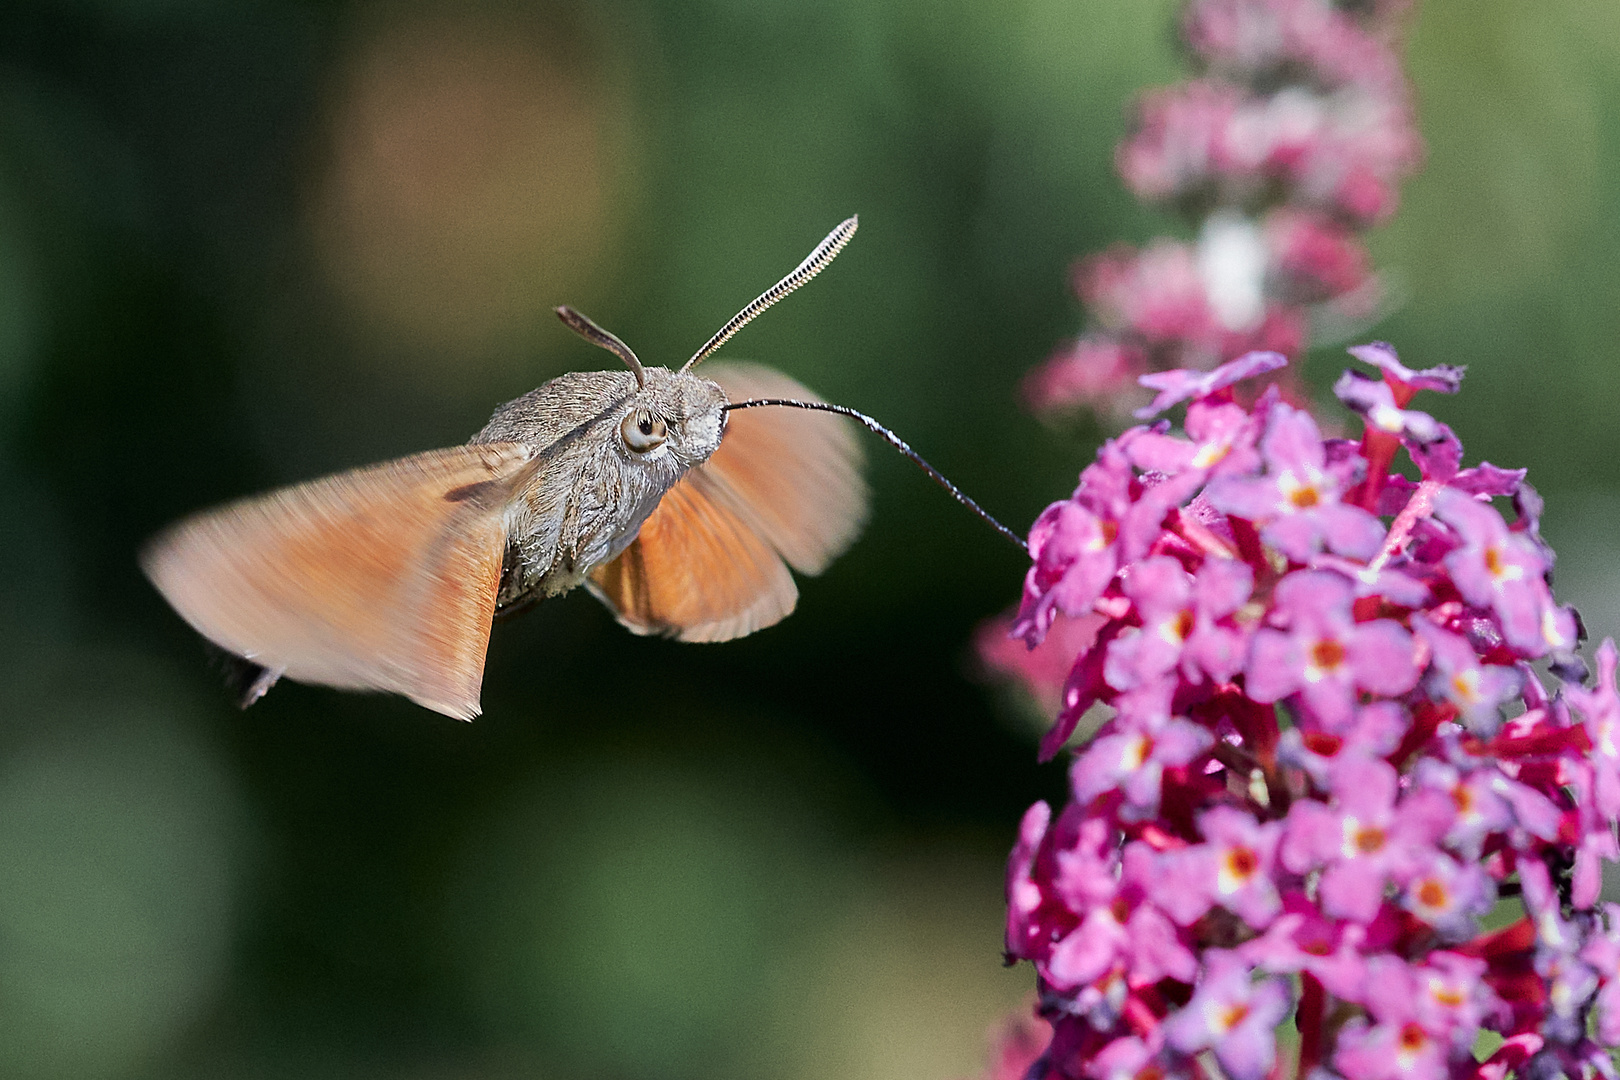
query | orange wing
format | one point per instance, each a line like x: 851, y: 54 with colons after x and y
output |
x: 382, y: 578
x: 795, y: 474
x: 708, y: 564
x: 696, y: 571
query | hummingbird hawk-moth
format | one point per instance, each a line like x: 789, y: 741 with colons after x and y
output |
x: 653, y: 488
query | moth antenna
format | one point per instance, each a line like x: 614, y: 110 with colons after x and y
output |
x: 814, y: 263
x: 599, y: 337
x: 895, y: 441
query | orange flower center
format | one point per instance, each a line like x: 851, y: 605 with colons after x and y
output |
x: 1449, y: 996
x: 1327, y: 654
x: 1465, y: 685
x: 1432, y: 894
x: 1242, y: 862
x: 1304, y: 497
x: 1232, y: 1016
x: 1137, y: 752
x: 1323, y: 744
x: 1413, y: 1037
x: 1369, y: 840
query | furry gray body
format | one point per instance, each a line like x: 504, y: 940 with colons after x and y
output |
x: 591, y: 493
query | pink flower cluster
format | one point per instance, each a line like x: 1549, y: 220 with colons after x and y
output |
x: 1327, y: 756
x: 1292, y: 138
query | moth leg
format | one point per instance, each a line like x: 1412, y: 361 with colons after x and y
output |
x: 512, y: 598
x: 519, y: 604
x: 246, y: 681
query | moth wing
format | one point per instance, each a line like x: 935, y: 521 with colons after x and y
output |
x: 784, y: 484
x: 381, y: 578
x: 697, y: 571
x: 794, y: 475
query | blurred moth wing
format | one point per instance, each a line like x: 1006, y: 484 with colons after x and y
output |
x: 696, y: 571
x: 710, y: 563
x: 380, y: 578
x: 797, y: 475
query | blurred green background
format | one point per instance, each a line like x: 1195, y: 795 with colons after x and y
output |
x: 244, y: 244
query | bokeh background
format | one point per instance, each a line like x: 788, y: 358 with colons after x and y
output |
x: 246, y: 243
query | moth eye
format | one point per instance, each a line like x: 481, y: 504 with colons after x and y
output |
x: 643, y: 432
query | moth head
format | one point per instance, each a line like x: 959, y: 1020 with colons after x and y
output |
x: 643, y: 431
x: 668, y: 416
x: 677, y: 416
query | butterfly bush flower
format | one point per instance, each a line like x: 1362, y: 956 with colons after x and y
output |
x: 1290, y: 140
x: 1326, y: 748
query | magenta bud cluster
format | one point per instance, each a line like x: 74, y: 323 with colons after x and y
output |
x: 1290, y: 139
x: 1325, y: 756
